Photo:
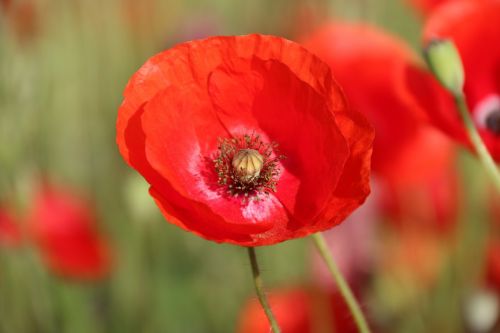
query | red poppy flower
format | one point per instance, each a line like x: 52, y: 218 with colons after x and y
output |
x: 427, y: 6
x: 22, y: 17
x: 292, y: 309
x: 493, y: 264
x: 494, y: 208
x: 66, y: 233
x: 431, y: 205
x: 343, y: 320
x: 245, y: 140
x: 300, y: 310
x: 378, y: 90
x: 10, y: 233
x: 429, y: 200
x: 414, y: 256
x: 472, y: 26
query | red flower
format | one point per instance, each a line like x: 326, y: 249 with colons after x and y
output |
x: 245, y: 140
x: 300, y: 310
x: 378, y: 88
x: 292, y: 309
x: 431, y: 205
x: 493, y: 264
x: 65, y: 230
x: 472, y: 26
x: 427, y: 6
x: 22, y: 17
x: 343, y: 320
x: 494, y: 208
x: 10, y: 233
x: 413, y: 255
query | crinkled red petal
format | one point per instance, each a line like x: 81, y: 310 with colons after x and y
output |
x: 354, y: 184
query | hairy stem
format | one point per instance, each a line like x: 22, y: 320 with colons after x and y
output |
x: 342, y: 285
x: 259, y: 289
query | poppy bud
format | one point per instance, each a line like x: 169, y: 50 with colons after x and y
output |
x: 247, y: 164
x: 444, y: 61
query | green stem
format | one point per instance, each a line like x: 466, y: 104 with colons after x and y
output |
x: 259, y: 289
x: 342, y: 285
x: 477, y: 142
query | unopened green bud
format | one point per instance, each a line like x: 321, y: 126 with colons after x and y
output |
x: 445, y: 63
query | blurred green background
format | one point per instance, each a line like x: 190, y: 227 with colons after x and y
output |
x: 63, y: 67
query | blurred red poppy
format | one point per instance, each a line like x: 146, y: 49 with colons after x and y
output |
x: 414, y: 162
x: 413, y: 254
x: 292, y: 309
x: 343, y: 320
x: 299, y: 310
x: 431, y: 205
x: 386, y: 102
x: 493, y: 245
x: 493, y: 263
x: 427, y: 6
x: 495, y: 208
x: 22, y: 17
x: 65, y: 230
x: 472, y: 26
x: 245, y: 140
x: 10, y: 233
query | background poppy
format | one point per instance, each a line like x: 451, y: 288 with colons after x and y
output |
x: 65, y: 230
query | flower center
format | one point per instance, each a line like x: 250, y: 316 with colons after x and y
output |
x: 247, y: 166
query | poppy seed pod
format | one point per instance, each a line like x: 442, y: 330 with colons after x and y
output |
x: 247, y: 164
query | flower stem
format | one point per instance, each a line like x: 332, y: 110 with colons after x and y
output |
x: 477, y: 142
x: 259, y: 289
x: 342, y: 285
